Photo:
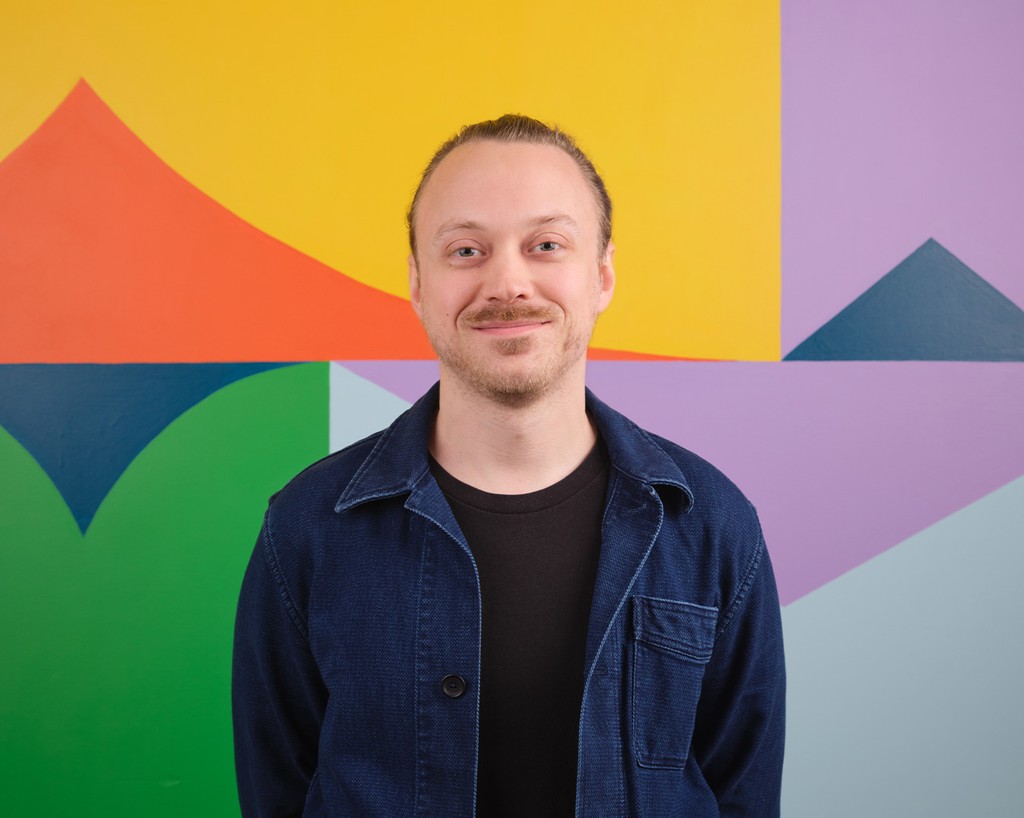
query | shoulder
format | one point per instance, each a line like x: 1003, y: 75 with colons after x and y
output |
x: 665, y: 464
x: 300, y: 517
x: 315, y: 490
x: 713, y: 493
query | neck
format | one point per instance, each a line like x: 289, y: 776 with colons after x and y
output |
x: 506, y: 449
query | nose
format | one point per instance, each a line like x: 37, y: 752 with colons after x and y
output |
x: 508, y: 278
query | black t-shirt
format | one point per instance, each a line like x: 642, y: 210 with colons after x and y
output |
x: 537, y: 557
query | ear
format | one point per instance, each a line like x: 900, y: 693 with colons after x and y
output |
x: 606, y: 271
x: 414, y: 286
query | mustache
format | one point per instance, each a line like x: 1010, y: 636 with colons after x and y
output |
x: 508, y: 313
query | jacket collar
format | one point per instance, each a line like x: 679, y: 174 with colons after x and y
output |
x: 398, y: 461
x: 635, y: 452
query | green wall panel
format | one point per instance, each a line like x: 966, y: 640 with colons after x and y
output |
x: 114, y: 687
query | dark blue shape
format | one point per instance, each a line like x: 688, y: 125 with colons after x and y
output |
x: 84, y: 423
x: 931, y: 307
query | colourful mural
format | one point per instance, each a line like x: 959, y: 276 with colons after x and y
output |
x: 902, y: 196
x: 201, y: 290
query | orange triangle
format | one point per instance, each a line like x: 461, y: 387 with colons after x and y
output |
x: 108, y: 255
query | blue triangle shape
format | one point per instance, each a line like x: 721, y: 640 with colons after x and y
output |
x: 85, y: 423
x: 930, y: 307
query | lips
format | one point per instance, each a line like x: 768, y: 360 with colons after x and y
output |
x: 509, y: 325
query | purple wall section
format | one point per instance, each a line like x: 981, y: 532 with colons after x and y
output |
x: 901, y: 121
x: 843, y: 460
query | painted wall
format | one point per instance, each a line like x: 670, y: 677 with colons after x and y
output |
x: 820, y: 287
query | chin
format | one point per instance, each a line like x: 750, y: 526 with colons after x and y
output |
x: 517, y: 383
x: 513, y: 371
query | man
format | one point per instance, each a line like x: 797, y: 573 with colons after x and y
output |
x: 513, y: 601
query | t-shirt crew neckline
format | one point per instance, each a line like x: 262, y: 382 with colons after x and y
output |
x: 590, y: 469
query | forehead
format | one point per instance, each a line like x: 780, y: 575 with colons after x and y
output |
x: 496, y: 183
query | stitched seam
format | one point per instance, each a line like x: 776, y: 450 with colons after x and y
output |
x: 270, y: 555
x: 748, y: 580
x: 424, y: 598
x: 675, y: 650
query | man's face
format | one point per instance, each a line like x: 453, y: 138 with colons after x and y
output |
x: 507, y: 280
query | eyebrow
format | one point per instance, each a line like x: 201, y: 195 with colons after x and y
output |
x: 451, y: 226
x: 538, y: 221
x: 556, y: 218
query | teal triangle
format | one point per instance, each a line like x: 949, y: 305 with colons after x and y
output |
x: 85, y: 423
x: 930, y: 307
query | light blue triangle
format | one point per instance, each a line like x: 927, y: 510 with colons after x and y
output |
x: 359, y: 407
x: 905, y: 676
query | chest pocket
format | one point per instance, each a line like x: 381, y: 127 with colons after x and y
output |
x: 671, y: 644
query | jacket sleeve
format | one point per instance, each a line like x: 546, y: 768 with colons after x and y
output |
x: 739, y: 734
x: 278, y: 697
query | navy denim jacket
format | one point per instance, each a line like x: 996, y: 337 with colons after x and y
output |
x: 362, y: 595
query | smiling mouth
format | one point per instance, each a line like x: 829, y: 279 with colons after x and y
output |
x: 509, y: 328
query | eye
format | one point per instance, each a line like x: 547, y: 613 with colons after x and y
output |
x: 548, y: 246
x: 466, y: 252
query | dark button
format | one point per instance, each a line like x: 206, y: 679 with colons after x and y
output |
x: 453, y: 686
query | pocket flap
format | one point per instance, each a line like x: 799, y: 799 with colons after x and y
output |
x: 679, y: 627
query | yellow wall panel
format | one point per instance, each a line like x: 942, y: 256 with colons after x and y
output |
x: 313, y: 120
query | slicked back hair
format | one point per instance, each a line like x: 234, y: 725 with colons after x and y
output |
x: 517, y: 128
